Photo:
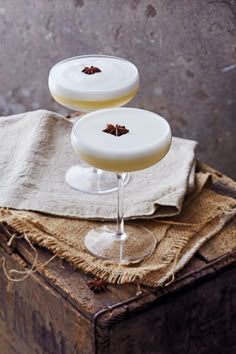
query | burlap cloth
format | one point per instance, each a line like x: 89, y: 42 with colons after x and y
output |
x: 203, y: 214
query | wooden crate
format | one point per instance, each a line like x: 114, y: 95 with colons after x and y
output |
x: 54, y: 311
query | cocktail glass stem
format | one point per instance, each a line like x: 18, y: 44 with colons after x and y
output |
x: 97, y: 171
x: 119, y: 244
x: 120, y: 218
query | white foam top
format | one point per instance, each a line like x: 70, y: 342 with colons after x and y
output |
x: 118, y: 77
x: 148, y: 134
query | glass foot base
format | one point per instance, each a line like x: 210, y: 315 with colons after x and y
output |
x: 90, y: 180
x: 135, y: 244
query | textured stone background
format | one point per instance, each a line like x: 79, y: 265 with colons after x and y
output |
x: 185, y: 51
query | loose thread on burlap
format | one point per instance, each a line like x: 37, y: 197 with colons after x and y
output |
x: 25, y: 273
x: 178, y: 223
x: 172, y: 271
x: 140, y: 290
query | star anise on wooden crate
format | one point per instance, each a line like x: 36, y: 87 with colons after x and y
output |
x: 91, y: 70
x: 116, y: 130
x: 97, y: 285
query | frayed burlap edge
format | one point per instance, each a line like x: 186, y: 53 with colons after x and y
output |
x: 179, y: 255
x: 183, y: 257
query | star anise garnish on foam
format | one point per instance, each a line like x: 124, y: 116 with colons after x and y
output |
x: 97, y: 285
x: 116, y: 130
x: 91, y: 70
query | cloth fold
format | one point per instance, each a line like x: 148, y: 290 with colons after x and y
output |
x: 36, y: 153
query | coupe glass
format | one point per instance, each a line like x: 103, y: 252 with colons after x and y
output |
x: 114, y: 86
x: 127, y: 139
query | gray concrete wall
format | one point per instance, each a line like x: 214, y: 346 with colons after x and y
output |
x: 185, y: 51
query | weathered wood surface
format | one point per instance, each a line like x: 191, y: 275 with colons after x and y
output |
x: 34, y: 318
x: 55, y: 312
x: 200, y: 319
x: 224, y: 242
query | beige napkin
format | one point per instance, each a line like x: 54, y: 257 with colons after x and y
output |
x: 36, y: 152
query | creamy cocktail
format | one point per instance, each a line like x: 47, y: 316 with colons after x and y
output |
x: 113, y: 84
x: 145, y: 143
x: 121, y: 140
x: 88, y: 83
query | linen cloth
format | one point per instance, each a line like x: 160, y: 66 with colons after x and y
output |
x: 36, y: 152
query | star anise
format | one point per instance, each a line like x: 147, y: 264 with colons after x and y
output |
x: 96, y: 285
x: 91, y: 70
x: 116, y: 130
